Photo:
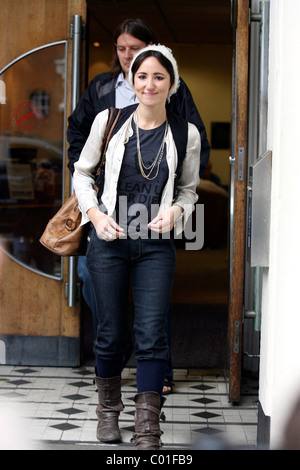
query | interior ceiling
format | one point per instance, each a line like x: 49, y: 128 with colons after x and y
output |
x: 173, y: 21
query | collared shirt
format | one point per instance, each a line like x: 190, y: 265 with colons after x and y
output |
x: 125, y: 95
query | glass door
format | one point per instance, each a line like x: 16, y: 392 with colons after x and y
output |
x: 32, y: 154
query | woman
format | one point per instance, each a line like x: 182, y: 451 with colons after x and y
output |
x: 113, y: 89
x: 141, y: 163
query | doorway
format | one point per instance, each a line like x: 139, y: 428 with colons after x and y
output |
x: 200, y: 35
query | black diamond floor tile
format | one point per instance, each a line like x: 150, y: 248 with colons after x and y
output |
x: 75, y: 397
x: 128, y: 428
x: 205, y: 400
x: 19, y: 382
x: 208, y: 431
x: 206, y: 415
x: 132, y: 413
x: 26, y: 371
x: 200, y: 400
x: 64, y: 426
x: 80, y: 384
x: 202, y: 387
x: 83, y: 372
x: 70, y: 411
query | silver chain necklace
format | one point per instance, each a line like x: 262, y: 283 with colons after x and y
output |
x: 158, y: 158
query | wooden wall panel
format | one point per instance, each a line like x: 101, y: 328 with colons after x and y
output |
x: 28, y: 306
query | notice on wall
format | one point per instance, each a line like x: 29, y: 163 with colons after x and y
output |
x: 19, y: 178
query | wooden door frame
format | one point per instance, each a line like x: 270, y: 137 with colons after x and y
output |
x: 235, y: 317
x: 33, y: 309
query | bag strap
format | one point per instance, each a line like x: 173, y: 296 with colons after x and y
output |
x: 113, y: 117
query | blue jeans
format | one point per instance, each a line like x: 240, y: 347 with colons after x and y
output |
x: 87, y: 289
x: 148, y: 266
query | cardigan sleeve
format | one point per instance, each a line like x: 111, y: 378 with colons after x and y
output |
x: 84, y: 178
x: 189, y: 179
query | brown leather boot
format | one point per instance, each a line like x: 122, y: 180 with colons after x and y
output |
x: 109, y: 408
x: 147, y: 430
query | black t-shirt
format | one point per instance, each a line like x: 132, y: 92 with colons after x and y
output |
x: 138, y: 198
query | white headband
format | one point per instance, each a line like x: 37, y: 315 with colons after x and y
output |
x: 168, y: 54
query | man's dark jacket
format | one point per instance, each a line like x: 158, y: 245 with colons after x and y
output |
x: 100, y: 95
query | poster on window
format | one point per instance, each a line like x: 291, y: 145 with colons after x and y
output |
x: 19, y: 178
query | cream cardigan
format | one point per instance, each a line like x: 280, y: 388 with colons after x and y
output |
x: 83, y: 179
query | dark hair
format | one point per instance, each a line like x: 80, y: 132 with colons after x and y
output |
x: 138, y: 29
x: 159, y: 56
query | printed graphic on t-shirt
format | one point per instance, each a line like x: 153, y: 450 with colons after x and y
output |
x: 138, y: 198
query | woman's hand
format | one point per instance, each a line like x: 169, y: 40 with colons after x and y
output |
x: 164, y: 222
x: 106, y: 227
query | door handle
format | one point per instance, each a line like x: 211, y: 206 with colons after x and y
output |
x: 76, y: 35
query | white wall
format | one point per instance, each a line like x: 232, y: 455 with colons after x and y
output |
x: 280, y: 334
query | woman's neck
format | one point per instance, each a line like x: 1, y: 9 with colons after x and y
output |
x: 150, y: 118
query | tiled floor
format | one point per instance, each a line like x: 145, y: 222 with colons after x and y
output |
x: 42, y: 407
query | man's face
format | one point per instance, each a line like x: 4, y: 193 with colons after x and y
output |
x: 127, y: 46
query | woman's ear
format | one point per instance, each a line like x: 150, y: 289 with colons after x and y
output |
x: 172, y: 86
x: 169, y: 97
